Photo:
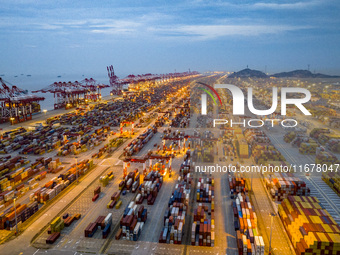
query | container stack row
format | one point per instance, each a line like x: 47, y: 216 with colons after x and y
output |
x: 248, y: 238
x: 333, y: 180
x: 102, y: 222
x: 136, y: 145
x: 205, y: 190
x: 24, y: 211
x: 36, y: 141
x: 132, y: 222
x: 203, y: 227
x: 282, y: 185
x: 264, y: 153
x: 237, y: 185
x: 311, y: 229
x: 255, y: 136
x: 175, y: 214
x: 150, y: 187
x: 326, y: 158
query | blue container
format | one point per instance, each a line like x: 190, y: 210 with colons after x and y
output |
x: 106, y: 230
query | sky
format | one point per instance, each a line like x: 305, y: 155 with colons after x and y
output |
x: 75, y: 37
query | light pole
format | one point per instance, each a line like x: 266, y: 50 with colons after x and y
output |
x: 16, y: 220
x: 77, y: 168
x: 251, y: 182
x: 45, y: 111
x: 12, y: 119
x: 272, y: 215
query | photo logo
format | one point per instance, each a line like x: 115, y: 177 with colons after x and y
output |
x: 239, y: 99
x: 204, y: 97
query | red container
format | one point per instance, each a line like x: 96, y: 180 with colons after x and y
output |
x: 95, y: 197
x: 52, y: 238
x: 112, y: 204
x: 97, y: 190
x: 19, y: 187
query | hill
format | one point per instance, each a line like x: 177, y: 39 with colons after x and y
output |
x: 302, y: 74
x: 248, y: 73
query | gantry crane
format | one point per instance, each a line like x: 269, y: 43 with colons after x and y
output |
x: 143, y: 159
x: 71, y: 94
x: 94, y: 89
x: 15, y: 103
x: 142, y: 81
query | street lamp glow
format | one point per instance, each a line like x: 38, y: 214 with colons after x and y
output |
x: 272, y: 215
x: 16, y: 220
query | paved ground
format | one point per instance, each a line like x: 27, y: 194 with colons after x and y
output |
x: 263, y: 207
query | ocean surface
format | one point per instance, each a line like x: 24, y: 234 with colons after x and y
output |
x: 37, y: 82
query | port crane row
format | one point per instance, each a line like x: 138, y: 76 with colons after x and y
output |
x: 16, y: 105
x: 136, y: 81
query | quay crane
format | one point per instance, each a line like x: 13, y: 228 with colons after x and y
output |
x: 71, y: 94
x: 16, y: 105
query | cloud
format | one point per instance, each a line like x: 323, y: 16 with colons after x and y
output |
x: 114, y: 27
x: 113, y: 31
x: 260, y: 5
x: 112, y: 23
x: 107, y: 26
x: 157, y: 24
x: 206, y: 32
x: 296, y: 5
x: 46, y: 26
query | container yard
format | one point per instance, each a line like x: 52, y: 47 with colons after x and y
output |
x: 116, y: 177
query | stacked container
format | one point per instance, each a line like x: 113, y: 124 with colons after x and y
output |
x: 205, y: 190
x: 174, y: 215
x: 333, y: 180
x: 282, y: 185
x: 132, y: 222
x: 311, y: 229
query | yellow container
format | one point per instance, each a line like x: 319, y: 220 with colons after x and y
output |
x: 118, y: 204
x: 108, y: 205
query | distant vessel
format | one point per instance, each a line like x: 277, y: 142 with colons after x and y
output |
x: 16, y: 76
x: 58, y: 76
x: 28, y: 75
x: 2, y: 75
